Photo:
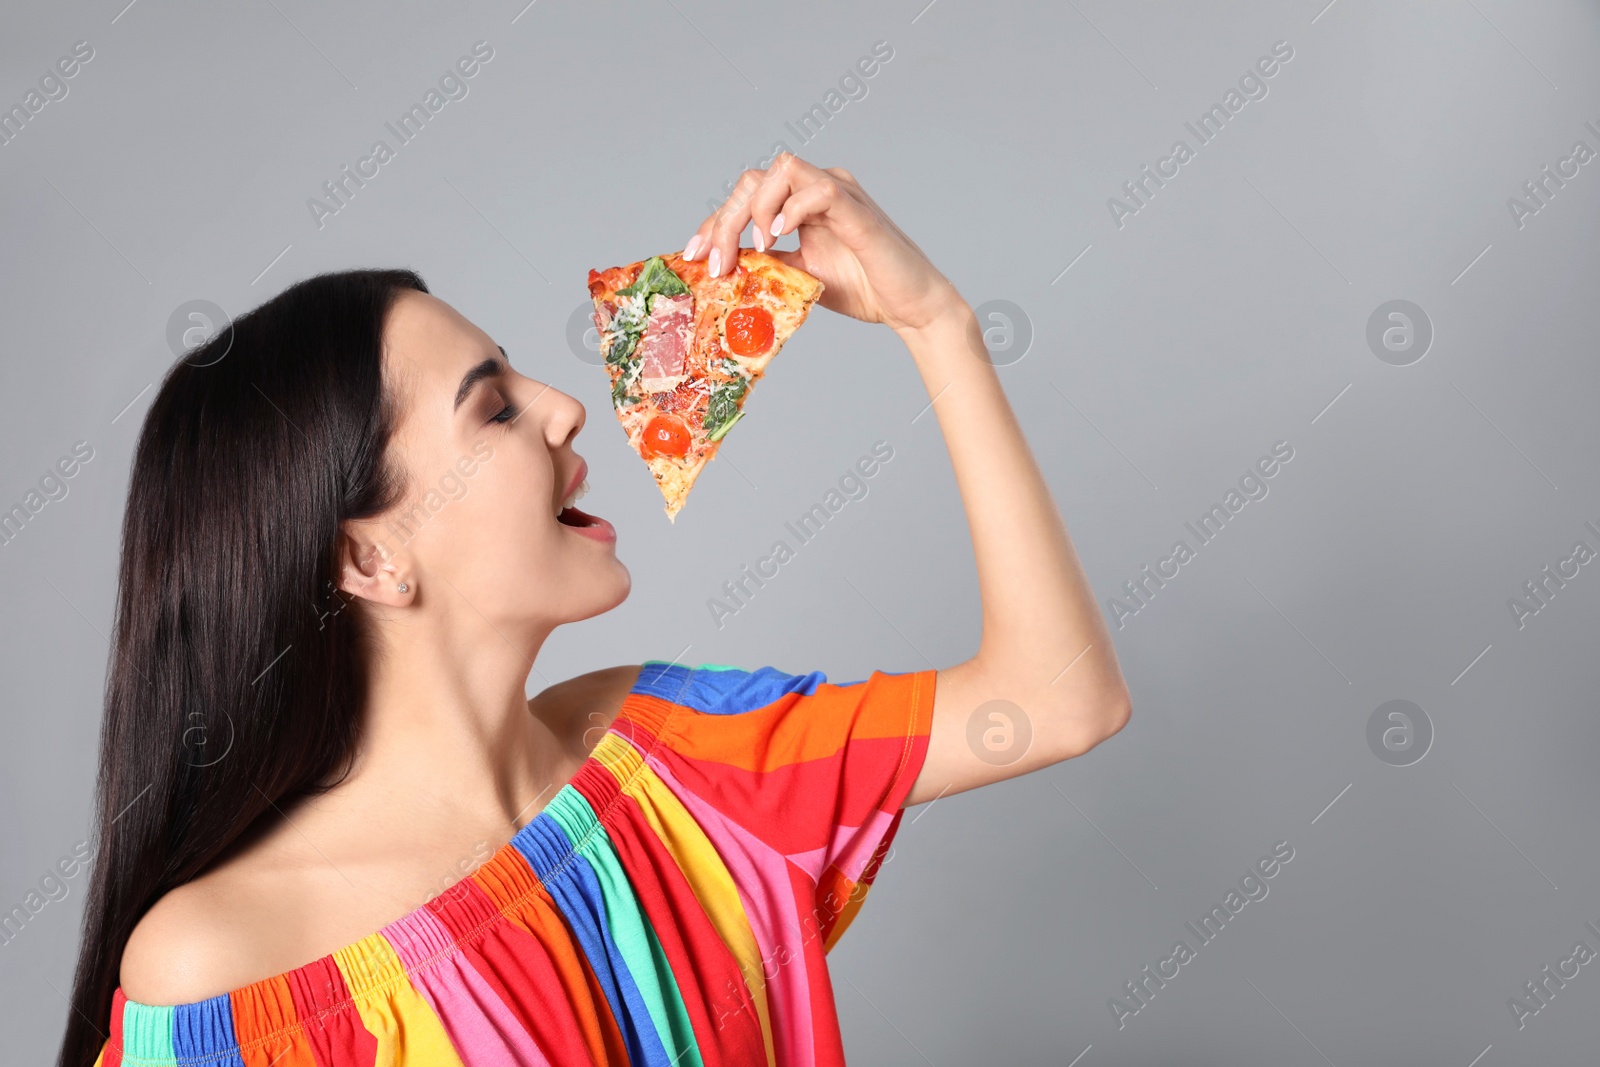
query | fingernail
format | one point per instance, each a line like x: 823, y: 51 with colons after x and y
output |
x: 777, y: 226
x: 715, y: 262
x: 761, y: 238
x: 692, y: 247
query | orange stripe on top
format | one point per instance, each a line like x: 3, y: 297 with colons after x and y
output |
x: 767, y: 738
x: 264, y: 1019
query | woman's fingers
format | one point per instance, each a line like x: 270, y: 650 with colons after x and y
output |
x: 721, y: 231
x: 871, y: 269
x: 697, y: 246
x: 777, y: 202
x: 787, y: 175
x: 827, y: 200
x: 759, y: 196
x: 764, y: 206
x: 717, y: 239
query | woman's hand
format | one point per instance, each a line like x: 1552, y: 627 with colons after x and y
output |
x: 870, y: 269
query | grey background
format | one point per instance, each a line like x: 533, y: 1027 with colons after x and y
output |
x: 1226, y: 315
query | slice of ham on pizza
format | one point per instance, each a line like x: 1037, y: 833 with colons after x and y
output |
x: 682, y: 350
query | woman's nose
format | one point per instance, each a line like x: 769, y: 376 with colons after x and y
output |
x: 566, y: 416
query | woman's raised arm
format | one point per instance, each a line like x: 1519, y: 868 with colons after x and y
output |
x: 1044, y: 684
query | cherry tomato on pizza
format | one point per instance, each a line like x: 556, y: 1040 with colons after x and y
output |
x: 749, y: 331
x: 664, y: 435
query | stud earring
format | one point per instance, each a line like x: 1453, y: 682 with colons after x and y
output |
x: 404, y: 588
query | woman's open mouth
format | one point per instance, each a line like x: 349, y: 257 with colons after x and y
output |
x: 586, y: 524
x: 570, y: 516
x: 592, y: 526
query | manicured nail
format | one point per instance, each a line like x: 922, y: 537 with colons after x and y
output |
x: 777, y: 226
x: 692, y: 247
x: 761, y: 239
x: 715, y: 263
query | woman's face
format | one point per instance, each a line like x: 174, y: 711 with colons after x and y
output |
x: 488, y: 460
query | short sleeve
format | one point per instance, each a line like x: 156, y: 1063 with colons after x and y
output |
x: 804, y: 779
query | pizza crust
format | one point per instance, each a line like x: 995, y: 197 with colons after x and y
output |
x: 675, y: 477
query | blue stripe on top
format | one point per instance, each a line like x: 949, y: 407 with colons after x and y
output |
x: 202, y: 1033
x: 722, y: 690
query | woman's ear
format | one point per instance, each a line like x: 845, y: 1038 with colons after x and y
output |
x: 369, y: 569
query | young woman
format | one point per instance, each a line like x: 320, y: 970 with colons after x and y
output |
x: 333, y: 829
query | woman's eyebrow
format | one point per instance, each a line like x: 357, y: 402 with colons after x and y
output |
x: 489, y: 368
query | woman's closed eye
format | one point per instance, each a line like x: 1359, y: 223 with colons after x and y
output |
x: 505, y: 414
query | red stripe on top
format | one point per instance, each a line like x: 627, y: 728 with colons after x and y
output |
x: 796, y: 807
x: 338, y: 1038
x: 111, y: 1055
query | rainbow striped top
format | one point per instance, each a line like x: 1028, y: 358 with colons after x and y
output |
x: 671, y: 905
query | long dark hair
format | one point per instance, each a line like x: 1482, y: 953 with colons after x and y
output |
x: 236, y: 679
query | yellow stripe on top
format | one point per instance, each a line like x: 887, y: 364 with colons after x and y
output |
x: 406, y: 1027
x: 697, y: 858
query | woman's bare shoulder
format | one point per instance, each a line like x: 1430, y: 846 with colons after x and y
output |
x: 270, y: 905
x: 572, y: 708
x: 245, y: 919
x: 204, y: 938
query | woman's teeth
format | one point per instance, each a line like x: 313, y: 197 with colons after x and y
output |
x: 577, y: 495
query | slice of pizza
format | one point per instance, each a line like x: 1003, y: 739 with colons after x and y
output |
x: 683, y: 349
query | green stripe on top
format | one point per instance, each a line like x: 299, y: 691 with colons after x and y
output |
x: 147, y: 1035
x: 629, y: 926
x: 698, y: 666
